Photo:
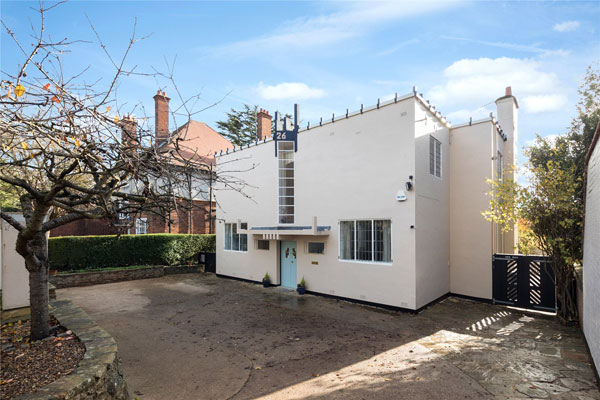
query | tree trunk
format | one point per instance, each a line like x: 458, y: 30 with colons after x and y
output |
x: 38, y: 287
x: 566, y: 297
x: 38, y: 301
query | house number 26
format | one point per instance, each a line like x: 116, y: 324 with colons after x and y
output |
x: 281, y: 136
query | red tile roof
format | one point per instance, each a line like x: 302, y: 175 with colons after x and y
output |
x: 197, y: 137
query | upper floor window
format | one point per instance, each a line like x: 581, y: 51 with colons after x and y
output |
x: 366, y: 240
x: 435, y: 157
x: 285, y: 156
x: 236, y: 241
x: 141, y: 226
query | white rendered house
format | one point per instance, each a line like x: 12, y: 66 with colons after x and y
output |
x: 381, y: 205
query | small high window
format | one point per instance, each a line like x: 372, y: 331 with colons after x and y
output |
x: 262, y: 244
x: 315, y: 247
x: 435, y: 157
x: 236, y: 241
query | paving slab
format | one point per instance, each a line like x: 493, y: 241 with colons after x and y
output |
x: 203, y: 337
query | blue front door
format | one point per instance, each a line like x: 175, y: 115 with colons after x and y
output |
x: 288, y: 264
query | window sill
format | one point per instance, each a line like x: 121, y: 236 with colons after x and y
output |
x: 385, y: 263
x: 237, y: 251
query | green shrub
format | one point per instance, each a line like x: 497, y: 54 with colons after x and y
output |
x: 81, y: 252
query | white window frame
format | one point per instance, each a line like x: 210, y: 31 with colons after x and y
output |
x: 306, y: 250
x: 239, y: 238
x: 435, y: 164
x: 372, y: 242
x: 138, y: 226
x: 279, y: 196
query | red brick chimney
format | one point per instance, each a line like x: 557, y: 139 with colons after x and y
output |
x: 129, y: 131
x: 508, y: 91
x: 161, y: 117
x: 264, y: 124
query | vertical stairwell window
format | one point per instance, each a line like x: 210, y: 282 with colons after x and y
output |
x: 285, y: 156
x: 435, y: 157
x: 499, y: 171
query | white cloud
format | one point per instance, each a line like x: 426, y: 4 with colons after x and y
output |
x: 471, y: 82
x: 544, y: 103
x: 328, y: 29
x: 289, y: 90
x: 464, y: 114
x: 566, y: 26
x: 398, y: 46
x: 528, y: 48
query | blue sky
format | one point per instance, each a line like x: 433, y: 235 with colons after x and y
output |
x: 329, y: 56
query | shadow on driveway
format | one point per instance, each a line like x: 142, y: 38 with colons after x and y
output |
x: 197, y: 336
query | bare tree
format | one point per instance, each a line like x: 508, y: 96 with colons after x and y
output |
x: 72, y: 152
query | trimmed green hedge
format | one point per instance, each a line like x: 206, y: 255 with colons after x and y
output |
x: 80, y: 252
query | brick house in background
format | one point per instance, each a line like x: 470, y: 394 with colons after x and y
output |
x: 199, y: 141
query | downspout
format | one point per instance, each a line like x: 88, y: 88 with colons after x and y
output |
x: 210, y: 201
x: 493, y: 137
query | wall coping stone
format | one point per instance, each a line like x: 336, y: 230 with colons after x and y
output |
x: 95, y: 277
x: 99, y: 374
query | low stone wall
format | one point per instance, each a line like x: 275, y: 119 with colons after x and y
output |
x: 99, y: 374
x: 98, y: 277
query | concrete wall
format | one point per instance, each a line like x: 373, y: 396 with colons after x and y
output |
x: 432, y: 226
x: 472, y: 239
x: 591, y: 257
x: 350, y: 169
x: 15, y: 278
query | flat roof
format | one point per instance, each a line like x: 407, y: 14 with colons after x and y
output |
x: 274, y: 232
x: 320, y: 228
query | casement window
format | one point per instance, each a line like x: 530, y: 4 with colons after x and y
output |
x: 141, y: 226
x: 262, y: 244
x: 236, y: 241
x: 435, y: 157
x: 366, y: 240
x: 285, y: 156
x: 122, y: 206
x: 315, y: 247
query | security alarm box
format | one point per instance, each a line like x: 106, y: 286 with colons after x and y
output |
x: 401, y: 196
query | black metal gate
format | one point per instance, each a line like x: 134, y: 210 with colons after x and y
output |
x: 523, y: 281
x: 209, y: 260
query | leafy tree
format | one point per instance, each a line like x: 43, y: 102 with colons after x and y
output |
x: 9, y: 197
x: 528, y: 243
x: 553, y: 202
x: 69, y: 151
x: 240, y: 126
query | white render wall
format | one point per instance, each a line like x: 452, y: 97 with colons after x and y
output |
x: 432, y: 226
x: 471, y: 236
x: 591, y: 258
x: 15, y: 278
x: 351, y: 169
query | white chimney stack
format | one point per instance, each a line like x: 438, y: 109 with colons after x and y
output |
x: 507, y: 110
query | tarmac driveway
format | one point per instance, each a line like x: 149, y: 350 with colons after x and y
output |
x: 197, y: 336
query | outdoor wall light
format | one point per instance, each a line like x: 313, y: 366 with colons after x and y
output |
x: 409, y: 184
